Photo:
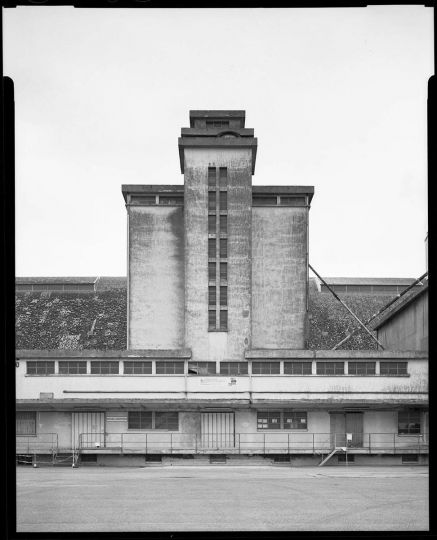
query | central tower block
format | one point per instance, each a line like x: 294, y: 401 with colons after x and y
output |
x: 217, y: 158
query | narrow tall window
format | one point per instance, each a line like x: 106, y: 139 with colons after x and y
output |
x: 217, y: 248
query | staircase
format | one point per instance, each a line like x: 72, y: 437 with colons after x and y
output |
x: 329, y: 456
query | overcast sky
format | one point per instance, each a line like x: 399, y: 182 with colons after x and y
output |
x: 337, y: 98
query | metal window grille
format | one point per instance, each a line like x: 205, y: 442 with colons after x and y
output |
x: 361, y: 368
x: 40, y: 367
x: 217, y: 123
x: 269, y: 420
x: 223, y: 200
x: 223, y: 296
x: 223, y: 224
x: 139, y: 420
x: 104, y: 368
x: 211, y: 200
x: 393, y: 368
x: 223, y: 247
x: 211, y: 224
x: 223, y: 271
x: 212, y: 296
x: 295, y: 420
x: 137, y: 368
x: 233, y: 368
x: 409, y: 422
x: 201, y: 368
x: 297, y: 368
x: 265, y: 368
x: 223, y: 320
x: 211, y: 319
x: 25, y: 423
x: 330, y: 368
x: 166, y: 367
x: 72, y: 367
x: 211, y: 176
x: 211, y: 248
x: 211, y: 271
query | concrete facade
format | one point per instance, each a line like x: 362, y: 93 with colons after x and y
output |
x: 216, y: 360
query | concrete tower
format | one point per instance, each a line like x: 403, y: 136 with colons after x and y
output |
x: 217, y: 156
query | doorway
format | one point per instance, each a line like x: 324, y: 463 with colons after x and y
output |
x: 88, y: 429
x: 218, y: 430
x: 343, y: 423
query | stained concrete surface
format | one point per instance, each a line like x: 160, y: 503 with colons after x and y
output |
x: 220, y: 498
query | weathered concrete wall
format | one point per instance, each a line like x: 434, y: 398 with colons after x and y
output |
x: 217, y: 345
x: 279, y: 277
x: 156, y: 277
x: 408, y: 329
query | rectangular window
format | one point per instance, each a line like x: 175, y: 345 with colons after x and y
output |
x: 211, y: 200
x: 269, y: 420
x: 223, y: 224
x: 409, y: 422
x: 223, y: 271
x: 211, y: 248
x: 171, y: 200
x: 201, y: 368
x: 147, y: 200
x: 137, y: 368
x: 212, y: 296
x: 233, y: 368
x: 223, y: 177
x: 25, y: 423
x: 292, y: 201
x: 212, y: 224
x: 211, y: 271
x: 168, y: 421
x: 217, y: 123
x: 104, y: 368
x: 393, y: 368
x: 223, y: 320
x: 259, y: 200
x: 139, y: 420
x: 330, y: 368
x: 223, y: 247
x: 223, y: 200
x: 223, y: 296
x: 295, y: 420
x: 72, y: 368
x: 211, y: 319
x: 297, y: 368
x: 40, y: 367
x: 167, y: 367
x: 265, y: 368
x: 361, y: 368
x: 211, y: 176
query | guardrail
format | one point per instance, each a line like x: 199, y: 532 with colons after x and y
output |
x: 254, y: 442
x: 43, y: 443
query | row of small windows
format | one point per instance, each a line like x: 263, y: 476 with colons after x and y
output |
x: 164, y: 200
x: 212, y: 226
x: 223, y: 271
x: 167, y: 367
x: 409, y: 421
x: 223, y: 248
x: 178, y: 199
x: 278, y: 200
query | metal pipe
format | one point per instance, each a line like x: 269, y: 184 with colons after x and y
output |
x: 381, y: 310
x: 348, y: 309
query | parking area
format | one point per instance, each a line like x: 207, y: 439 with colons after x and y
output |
x: 222, y: 498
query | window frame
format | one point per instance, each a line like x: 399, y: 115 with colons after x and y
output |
x: 166, y: 364
x: 282, y: 414
x: 112, y: 364
x: 259, y: 363
x: 232, y: 364
x: 199, y: 366
x: 39, y: 364
x: 35, y: 423
x: 137, y: 363
x: 397, y: 364
x: 153, y: 420
x: 409, y: 413
x: 303, y: 364
x: 366, y: 365
x: 325, y: 364
x: 68, y: 365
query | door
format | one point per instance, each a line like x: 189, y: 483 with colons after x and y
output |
x: 88, y: 430
x: 218, y: 430
x: 347, y: 423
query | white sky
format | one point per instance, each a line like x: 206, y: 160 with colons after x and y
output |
x: 337, y: 98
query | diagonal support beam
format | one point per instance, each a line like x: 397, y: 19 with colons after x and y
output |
x: 348, y: 309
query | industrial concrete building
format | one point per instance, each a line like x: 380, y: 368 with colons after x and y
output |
x: 217, y: 365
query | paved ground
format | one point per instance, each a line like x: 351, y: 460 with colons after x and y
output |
x: 222, y: 498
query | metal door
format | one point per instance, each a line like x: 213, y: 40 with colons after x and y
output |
x: 344, y: 423
x: 218, y: 430
x: 88, y: 430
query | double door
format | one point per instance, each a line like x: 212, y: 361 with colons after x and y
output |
x: 218, y: 430
x: 347, y: 429
x: 88, y: 430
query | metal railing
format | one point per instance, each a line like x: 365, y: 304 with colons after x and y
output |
x: 43, y: 443
x: 266, y: 442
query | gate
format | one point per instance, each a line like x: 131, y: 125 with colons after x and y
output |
x: 343, y: 423
x: 218, y: 430
x: 88, y: 430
